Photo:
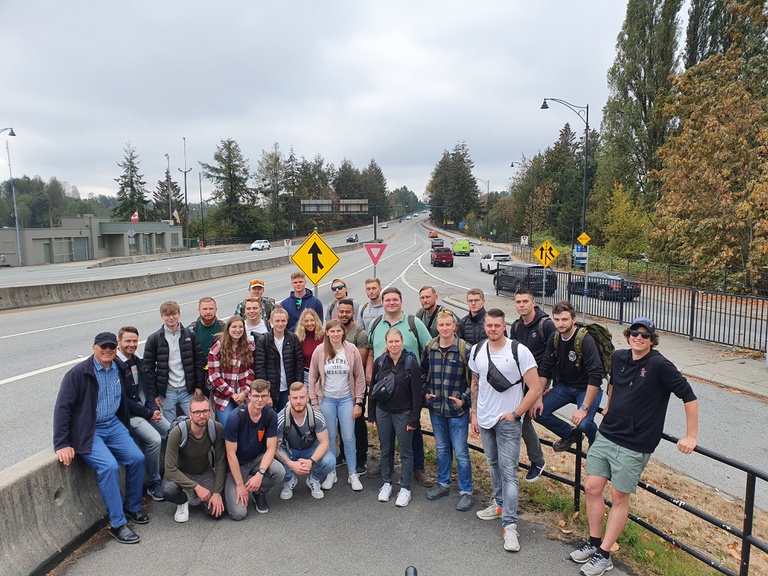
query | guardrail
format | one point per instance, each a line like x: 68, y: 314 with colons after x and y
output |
x: 744, y: 534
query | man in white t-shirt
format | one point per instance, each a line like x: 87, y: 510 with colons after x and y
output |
x: 254, y: 323
x: 498, y: 407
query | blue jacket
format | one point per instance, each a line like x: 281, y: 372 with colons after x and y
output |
x: 309, y: 301
x: 74, y: 416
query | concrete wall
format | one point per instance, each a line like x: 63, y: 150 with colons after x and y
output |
x: 46, y: 510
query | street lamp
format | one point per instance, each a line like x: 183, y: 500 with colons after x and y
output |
x: 583, y: 113
x: 186, y: 203
x: 13, y: 191
x: 202, y: 209
x: 487, y: 199
x: 168, y: 183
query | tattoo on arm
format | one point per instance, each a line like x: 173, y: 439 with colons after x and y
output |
x: 474, y: 389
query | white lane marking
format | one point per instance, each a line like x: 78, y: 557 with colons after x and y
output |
x: 438, y: 278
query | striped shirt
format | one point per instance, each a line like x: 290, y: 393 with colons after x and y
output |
x: 110, y: 391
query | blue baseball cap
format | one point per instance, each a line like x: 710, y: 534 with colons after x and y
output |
x: 647, y: 323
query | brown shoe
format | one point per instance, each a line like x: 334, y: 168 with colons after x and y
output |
x: 374, y: 471
x: 423, y: 478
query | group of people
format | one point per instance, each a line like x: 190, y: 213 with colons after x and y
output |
x: 257, y: 401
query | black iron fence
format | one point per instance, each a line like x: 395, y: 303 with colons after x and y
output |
x: 712, y: 316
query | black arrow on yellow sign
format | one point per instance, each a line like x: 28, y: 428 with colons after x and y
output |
x: 315, y: 252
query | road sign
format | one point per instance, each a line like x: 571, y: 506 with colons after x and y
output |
x: 524, y: 240
x: 584, y: 238
x: 315, y: 258
x: 546, y: 253
x: 288, y: 242
x: 375, y: 251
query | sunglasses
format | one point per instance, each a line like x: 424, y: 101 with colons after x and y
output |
x: 337, y: 288
x: 643, y: 335
x: 107, y: 346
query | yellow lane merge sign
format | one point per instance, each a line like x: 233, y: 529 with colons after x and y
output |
x: 546, y: 253
x: 315, y: 258
x: 583, y: 238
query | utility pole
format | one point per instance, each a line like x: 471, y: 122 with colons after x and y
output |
x: 202, y: 209
x: 186, y: 202
x: 168, y: 184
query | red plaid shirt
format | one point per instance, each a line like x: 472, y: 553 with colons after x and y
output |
x: 223, y: 384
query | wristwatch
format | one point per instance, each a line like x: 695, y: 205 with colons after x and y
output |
x: 517, y: 418
x: 584, y: 407
x: 262, y: 471
x: 359, y: 404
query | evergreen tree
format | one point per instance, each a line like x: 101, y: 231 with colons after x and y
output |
x: 162, y: 210
x: 270, y: 172
x: 131, y: 192
x: 230, y: 175
x: 374, y: 187
x: 452, y: 189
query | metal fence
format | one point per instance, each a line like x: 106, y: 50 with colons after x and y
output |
x: 733, y: 320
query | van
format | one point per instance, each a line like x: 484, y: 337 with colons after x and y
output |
x: 461, y: 247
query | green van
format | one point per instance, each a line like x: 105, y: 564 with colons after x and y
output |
x: 461, y: 247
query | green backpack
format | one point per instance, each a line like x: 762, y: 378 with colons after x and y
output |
x: 603, y: 339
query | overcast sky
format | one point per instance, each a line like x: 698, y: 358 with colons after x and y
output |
x: 397, y: 81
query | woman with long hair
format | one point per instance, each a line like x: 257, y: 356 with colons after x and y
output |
x: 337, y: 387
x: 309, y: 330
x: 398, y: 415
x: 230, y: 368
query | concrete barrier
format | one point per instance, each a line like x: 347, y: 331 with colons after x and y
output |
x: 28, y: 296
x: 47, y: 511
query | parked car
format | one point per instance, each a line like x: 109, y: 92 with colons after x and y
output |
x: 606, y: 286
x: 510, y: 277
x: 442, y: 257
x: 461, y: 247
x: 437, y: 243
x: 433, y: 233
x: 489, y: 261
x: 261, y: 245
x: 352, y: 238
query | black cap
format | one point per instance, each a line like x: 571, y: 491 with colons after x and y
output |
x: 105, y: 338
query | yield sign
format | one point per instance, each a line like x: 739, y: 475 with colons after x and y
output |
x: 375, y: 251
x: 315, y: 258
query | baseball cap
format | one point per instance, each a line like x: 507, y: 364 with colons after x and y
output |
x: 647, y: 323
x: 256, y: 283
x: 105, y: 338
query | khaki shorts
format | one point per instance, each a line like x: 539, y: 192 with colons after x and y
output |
x: 622, y: 466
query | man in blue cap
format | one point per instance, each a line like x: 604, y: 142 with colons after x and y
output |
x: 642, y: 381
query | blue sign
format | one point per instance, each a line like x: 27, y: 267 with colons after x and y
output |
x: 463, y: 225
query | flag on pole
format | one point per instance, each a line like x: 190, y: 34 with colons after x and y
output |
x: 135, y: 216
x: 176, y: 216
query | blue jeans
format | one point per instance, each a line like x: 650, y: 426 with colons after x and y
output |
x: 321, y: 468
x: 222, y: 414
x: 561, y: 395
x: 176, y: 398
x: 341, y: 408
x: 391, y: 424
x: 113, y: 447
x: 502, y: 450
x: 150, y: 436
x: 452, y: 434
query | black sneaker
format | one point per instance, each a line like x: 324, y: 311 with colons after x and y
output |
x: 565, y: 443
x: 361, y: 470
x: 124, y: 535
x: 534, y: 472
x: 260, y: 503
x: 139, y: 517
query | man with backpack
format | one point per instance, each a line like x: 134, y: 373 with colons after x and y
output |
x: 339, y: 291
x: 415, y: 337
x: 304, y: 446
x: 499, y: 368
x: 250, y: 438
x: 374, y: 307
x: 532, y: 330
x: 429, y: 309
x: 445, y: 382
x: 195, y: 462
x: 572, y: 360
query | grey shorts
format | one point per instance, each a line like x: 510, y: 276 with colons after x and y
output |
x: 622, y: 466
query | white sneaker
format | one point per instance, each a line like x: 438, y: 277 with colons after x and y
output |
x: 385, y: 492
x: 354, y: 480
x: 330, y: 480
x: 493, y: 512
x: 315, y: 488
x: 403, y: 497
x: 192, y: 498
x: 182, y: 512
x: 511, y: 544
x: 287, y: 492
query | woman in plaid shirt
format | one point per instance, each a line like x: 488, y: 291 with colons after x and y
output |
x: 230, y: 368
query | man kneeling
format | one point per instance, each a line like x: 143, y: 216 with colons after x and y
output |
x: 304, y: 445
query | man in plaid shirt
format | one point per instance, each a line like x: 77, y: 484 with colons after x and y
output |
x: 445, y: 381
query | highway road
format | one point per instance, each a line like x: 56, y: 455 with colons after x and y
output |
x: 40, y: 344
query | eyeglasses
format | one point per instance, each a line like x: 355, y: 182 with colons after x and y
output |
x: 260, y: 397
x: 636, y: 333
x: 200, y: 412
x: 473, y: 301
x: 107, y: 346
x: 337, y: 288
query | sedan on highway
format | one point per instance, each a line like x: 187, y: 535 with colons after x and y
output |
x: 261, y: 245
x: 489, y: 262
x: 606, y: 286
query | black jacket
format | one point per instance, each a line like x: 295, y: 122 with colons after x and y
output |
x: 266, y: 361
x: 135, y: 406
x: 156, y: 363
x: 535, y: 335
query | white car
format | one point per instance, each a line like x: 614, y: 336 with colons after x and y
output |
x: 261, y: 245
x: 407, y: 217
x: 385, y: 225
x: 489, y: 262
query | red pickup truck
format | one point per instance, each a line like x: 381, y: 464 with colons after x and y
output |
x: 442, y: 257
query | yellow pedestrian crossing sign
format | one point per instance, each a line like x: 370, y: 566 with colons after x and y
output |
x: 546, y: 253
x: 315, y: 258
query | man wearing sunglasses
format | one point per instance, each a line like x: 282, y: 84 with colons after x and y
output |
x: 339, y: 291
x: 642, y: 381
x: 91, y: 420
x: 299, y: 300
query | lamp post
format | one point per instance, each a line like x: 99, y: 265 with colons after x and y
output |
x: 168, y: 184
x: 583, y: 113
x: 487, y: 198
x: 186, y: 202
x: 202, y: 209
x: 13, y: 191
